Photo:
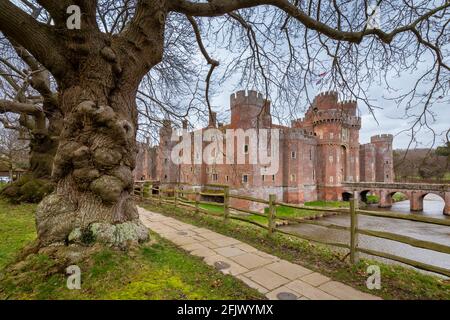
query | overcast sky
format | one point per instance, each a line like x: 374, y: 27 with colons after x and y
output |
x: 389, y: 117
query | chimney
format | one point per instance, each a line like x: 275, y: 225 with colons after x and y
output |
x: 212, y: 120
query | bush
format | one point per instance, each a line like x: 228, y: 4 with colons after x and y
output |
x: 372, y: 199
x: 27, y: 189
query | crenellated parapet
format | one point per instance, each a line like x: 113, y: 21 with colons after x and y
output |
x: 335, y: 116
x: 326, y: 100
x: 388, y: 138
x: 249, y: 97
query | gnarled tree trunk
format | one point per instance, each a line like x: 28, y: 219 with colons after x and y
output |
x: 93, y: 164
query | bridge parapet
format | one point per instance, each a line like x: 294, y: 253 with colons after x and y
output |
x: 398, y: 185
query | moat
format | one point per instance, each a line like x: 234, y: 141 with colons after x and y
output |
x: 433, y: 206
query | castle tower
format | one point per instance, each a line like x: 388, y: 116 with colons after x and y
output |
x: 337, y: 128
x: 167, y: 171
x: 384, y: 158
x: 248, y: 108
x: 367, y: 156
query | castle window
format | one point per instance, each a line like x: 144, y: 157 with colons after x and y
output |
x: 165, y: 177
x: 293, y: 155
x: 331, y: 135
x: 244, y: 178
x: 227, y: 178
x: 330, y: 158
x: 166, y: 160
x: 245, y: 148
x: 331, y: 179
x: 192, y: 169
x: 310, y: 154
x: 215, y: 177
x: 293, y: 177
x: 263, y: 177
x: 273, y: 177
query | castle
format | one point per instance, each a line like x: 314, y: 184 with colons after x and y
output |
x: 316, y: 153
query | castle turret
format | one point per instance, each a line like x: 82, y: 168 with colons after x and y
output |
x: 367, y: 156
x: 247, y: 108
x: 384, y: 158
x: 166, y: 169
x: 337, y: 128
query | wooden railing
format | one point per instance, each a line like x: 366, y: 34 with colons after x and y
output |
x: 177, y: 197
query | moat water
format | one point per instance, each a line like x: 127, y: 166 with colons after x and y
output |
x: 433, y: 206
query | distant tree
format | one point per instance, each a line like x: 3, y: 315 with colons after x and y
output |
x: 13, y: 151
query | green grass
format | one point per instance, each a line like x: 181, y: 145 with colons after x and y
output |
x: 17, y: 228
x: 397, y: 282
x: 283, y: 211
x: 212, y: 207
x: 328, y: 204
x: 157, y: 270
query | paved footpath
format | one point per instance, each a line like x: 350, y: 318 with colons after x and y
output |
x: 270, y: 275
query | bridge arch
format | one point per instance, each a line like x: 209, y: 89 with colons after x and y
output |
x: 416, y: 201
x: 346, y: 196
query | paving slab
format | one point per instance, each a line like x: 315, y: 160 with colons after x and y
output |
x: 315, y: 279
x: 288, y: 270
x: 310, y: 292
x: 266, y: 278
x: 229, y: 251
x: 345, y: 292
x: 233, y: 269
x: 203, y: 252
x: 245, y: 247
x: 252, y: 284
x: 251, y: 260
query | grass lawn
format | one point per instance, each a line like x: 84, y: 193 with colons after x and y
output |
x: 283, y: 211
x: 397, y: 282
x: 17, y: 228
x: 157, y: 270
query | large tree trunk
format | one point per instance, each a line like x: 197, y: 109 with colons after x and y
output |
x: 93, y: 166
x: 42, y: 151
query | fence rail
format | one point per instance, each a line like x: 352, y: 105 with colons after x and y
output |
x: 147, y: 191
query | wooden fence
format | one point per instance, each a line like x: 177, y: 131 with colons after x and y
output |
x: 179, y: 197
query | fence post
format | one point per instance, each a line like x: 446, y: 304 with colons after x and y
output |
x: 353, y: 233
x: 226, y: 202
x: 197, y: 195
x: 175, y: 194
x: 272, y: 199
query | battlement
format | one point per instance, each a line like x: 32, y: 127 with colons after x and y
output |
x: 324, y: 116
x: 247, y: 98
x: 326, y: 100
x: 382, y: 138
x: 367, y: 146
x: 348, y: 106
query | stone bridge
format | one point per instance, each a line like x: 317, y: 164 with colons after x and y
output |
x: 415, y: 192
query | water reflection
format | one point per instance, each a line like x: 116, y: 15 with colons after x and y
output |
x: 433, y: 206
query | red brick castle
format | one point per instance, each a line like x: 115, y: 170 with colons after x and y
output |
x: 317, y: 153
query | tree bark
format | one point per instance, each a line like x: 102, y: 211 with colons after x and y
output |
x: 93, y: 166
